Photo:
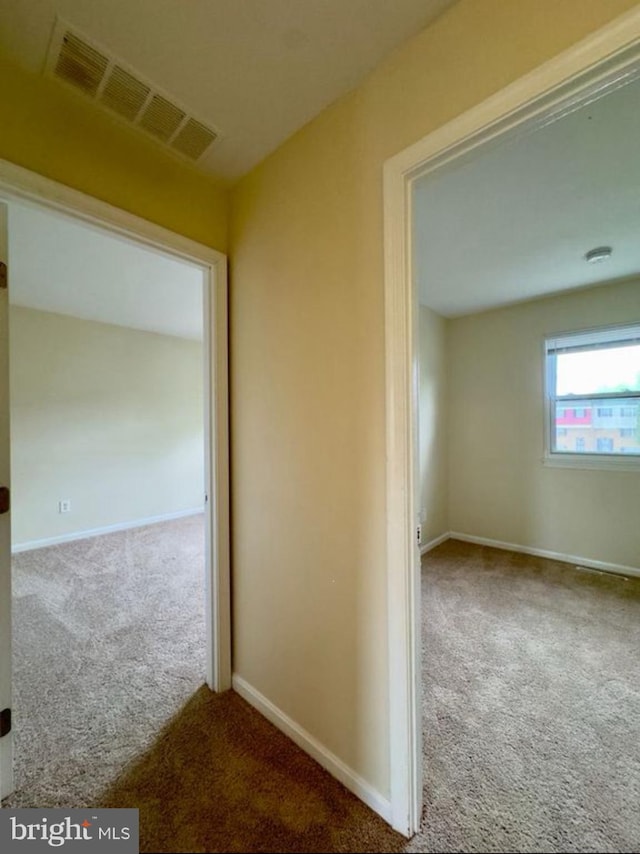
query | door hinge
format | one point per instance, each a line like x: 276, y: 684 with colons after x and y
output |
x: 3, y: 275
x: 5, y: 499
x: 5, y: 722
x: 419, y: 535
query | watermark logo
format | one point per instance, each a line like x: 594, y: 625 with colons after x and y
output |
x: 33, y: 830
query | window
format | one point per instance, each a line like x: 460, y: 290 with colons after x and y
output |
x: 593, y: 386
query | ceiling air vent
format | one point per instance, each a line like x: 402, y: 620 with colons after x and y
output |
x: 124, y: 94
x: 193, y: 139
x: 162, y: 118
x: 112, y: 84
x: 80, y: 64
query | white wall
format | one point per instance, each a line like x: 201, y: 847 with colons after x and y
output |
x: 498, y: 486
x: 432, y: 425
x: 108, y: 417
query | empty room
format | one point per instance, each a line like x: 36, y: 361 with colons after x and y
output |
x: 108, y: 534
x: 530, y: 480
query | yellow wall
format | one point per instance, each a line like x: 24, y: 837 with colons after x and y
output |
x: 307, y: 369
x: 53, y: 131
x: 104, y: 416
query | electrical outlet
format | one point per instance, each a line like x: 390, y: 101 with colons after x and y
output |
x: 64, y: 506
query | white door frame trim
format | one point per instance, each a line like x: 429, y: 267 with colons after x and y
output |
x: 21, y: 184
x: 593, y: 65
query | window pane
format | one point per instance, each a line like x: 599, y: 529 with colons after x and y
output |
x: 604, y: 427
x: 596, y: 371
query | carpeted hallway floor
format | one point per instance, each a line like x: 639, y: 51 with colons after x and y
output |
x: 531, y: 699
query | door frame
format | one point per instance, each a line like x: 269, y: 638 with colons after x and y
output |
x: 592, y: 66
x: 19, y: 184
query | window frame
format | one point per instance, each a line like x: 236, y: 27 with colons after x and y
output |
x: 588, y: 339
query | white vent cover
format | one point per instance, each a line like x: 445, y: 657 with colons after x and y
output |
x: 109, y: 82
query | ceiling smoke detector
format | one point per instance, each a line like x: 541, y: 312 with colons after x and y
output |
x: 600, y: 253
x: 110, y: 83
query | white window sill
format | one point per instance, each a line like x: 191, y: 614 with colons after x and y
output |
x: 605, y: 462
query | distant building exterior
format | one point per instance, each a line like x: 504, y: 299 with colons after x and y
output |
x: 612, y: 428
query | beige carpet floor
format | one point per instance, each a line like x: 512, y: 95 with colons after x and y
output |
x: 108, y: 637
x: 531, y: 705
x: 531, y: 700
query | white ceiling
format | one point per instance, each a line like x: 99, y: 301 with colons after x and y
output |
x: 256, y: 70
x: 57, y: 264
x: 514, y: 222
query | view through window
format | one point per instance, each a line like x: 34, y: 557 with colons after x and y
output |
x: 593, y: 387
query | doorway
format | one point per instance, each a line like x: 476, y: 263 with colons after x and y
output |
x: 26, y: 189
x: 601, y: 62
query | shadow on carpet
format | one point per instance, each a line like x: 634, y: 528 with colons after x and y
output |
x: 222, y: 778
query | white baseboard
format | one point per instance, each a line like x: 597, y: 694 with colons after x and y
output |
x: 433, y: 543
x: 336, y: 767
x: 576, y: 560
x: 96, y: 532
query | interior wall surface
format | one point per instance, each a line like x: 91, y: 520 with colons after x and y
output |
x: 308, y: 371
x: 499, y: 487
x: 106, y: 417
x: 432, y: 425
